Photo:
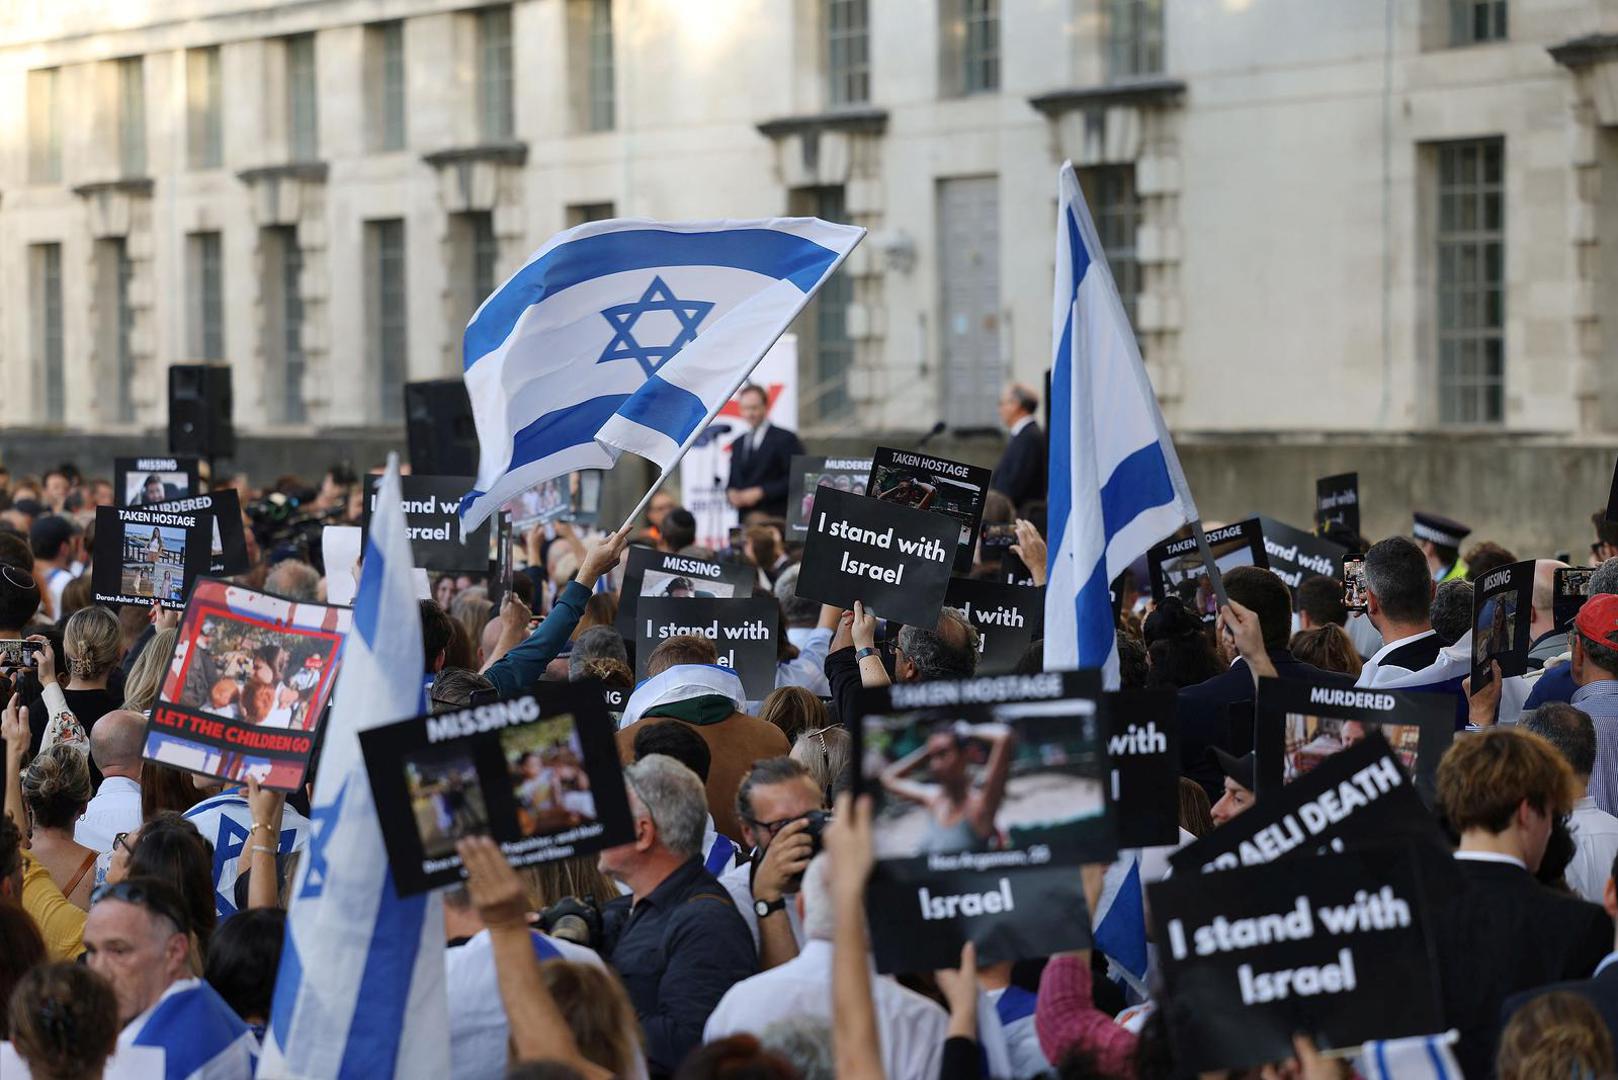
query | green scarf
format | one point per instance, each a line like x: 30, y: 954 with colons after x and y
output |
x: 707, y: 709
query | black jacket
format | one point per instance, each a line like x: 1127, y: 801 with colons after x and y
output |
x: 1204, y: 711
x: 1501, y: 932
x: 1020, y: 475
x: 768, y: 467
x: 1600, y: 990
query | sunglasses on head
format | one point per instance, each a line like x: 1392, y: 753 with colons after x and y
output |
x: 133, y: 893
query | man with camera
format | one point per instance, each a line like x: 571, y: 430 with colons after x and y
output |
x: 781, y: 811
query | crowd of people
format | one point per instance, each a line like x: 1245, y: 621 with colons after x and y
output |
x: 143, y: 906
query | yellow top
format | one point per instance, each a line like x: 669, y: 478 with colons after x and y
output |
x: 60, y: 923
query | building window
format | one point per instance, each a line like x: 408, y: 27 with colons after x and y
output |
x: 474, y: 257
x: 205, y: 292
x: 303, y: 121
x: 1473, y: 22
x: 580, y: 213
x: 117, y: 322
x: 1134, y: 38
x: 600, y: 104
x: 495, y: 117
x: 971, y: 35
x: 132, y: 116
x: 44, y: 127
x: 1110, y: 191
x: 386, y: 70
x: 284, y: 331
x: 385, y: 251
x: 1471, y: 282
x: 46, y: 274
x: 204, y: 120
x: 825, y: 351
x: 848, y: 52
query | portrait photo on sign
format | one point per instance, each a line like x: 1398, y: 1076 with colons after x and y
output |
x: 973, y: 778
x: 1570, y: 589
x: 247, y: 685
x: 446, y: 801
x: 546, y: 764
x: 684, y: 587
x: 154, y: 562
x: 809, y: 473
x: 921, y: 482
x: 150, y: 481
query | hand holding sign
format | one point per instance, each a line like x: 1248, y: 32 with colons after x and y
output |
x: 863, y: 627
x: 1483, y: 706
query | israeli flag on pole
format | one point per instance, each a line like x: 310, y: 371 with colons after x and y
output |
x: 630, y: 335
x: 1116, y: 483
x: 361, y: 986
x: 1119, y: 920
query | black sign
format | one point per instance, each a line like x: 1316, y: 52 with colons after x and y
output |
x: 1362, y: 793
x: 246, y: 688
x: 989, y: 795
x: 1337, y: 503
x: 744, y: 630
x: 810, y: 473
x: 1300, y: 724
x: 1570, y: 590
x: 650, y: 572
x: 151, y: 480
x: 1295, y: 555
x: 1336, y: 947
x: 1177, y: 568
x: 574, y: 497
x: 432, y: 518
x: 615, y: 698
x: 1612, y: 499
x: 893, y: 558
x: 952, y: 488
x: 228, y: 552
x: 1009, y: 618
x: 1502, y: 608
x: 1143, y: 748
x: 538, y: 772
x: 142, y: 556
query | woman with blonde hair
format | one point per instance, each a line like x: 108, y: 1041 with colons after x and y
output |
x: 1555, y: 1034
x: 794, y: 710
x: 55, y: 791
x: 146, y: 677
x: 597, y: 1010
x: 827, y: 753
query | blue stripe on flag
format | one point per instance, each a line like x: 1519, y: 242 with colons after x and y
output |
x: 1059, y: 494
x: 288, y: 984
x: 1093, y: 608
x: 1140, y: 483
x: 763, y: 251
x: 390, y: 963
x: 662, y: 406
x: 1437, y: 1059
x: 1079, y: 254
x: 368, y: 602
x: 1121, y: 933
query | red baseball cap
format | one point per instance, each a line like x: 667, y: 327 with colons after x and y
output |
x: 1598, y: 620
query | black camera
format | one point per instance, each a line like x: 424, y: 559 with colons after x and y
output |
x: 572, y: 919
x: 815, y: 825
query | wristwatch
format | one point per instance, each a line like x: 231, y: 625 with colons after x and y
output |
x: 862, y: 653
x: 765, y: 908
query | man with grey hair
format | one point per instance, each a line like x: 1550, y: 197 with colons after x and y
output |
x: 676, y: 940
x: 1020, y: 473
x: 1595, y: 832
x: 598, y: 642
x: 947, y: 651
x: 912, y: 1029
x: 1399, y: 599
x: 1451, y: 611
x: 293, y: 579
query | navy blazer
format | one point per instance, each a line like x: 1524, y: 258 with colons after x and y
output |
x: 1600, y: 989
x: 1020, y: 474
x: 1204, y: 711
x: 769, y: 467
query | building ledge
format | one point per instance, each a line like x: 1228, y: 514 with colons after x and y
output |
x: 860, y: 121
x: 1585, y: 51
x: 501, y: 153
x: 312, y: 171
x: 1148, y: 91
x: 135, y: 185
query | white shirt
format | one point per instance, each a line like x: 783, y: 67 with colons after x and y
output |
x: 1016, y: 428
x: 1595, y: 836
x: 756, y: 436
x: 808, y: 669
x: 911, y: 1028
x: 1376, y: 674
x: 1492, y: 856
x: 477, y: 1018
x: 1363, y: 633
x: 115, y: 809
x: 738, y: 882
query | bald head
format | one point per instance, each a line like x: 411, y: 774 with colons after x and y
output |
x: 293, y: 579
x: 1544, y: 615
x: 116, y: 741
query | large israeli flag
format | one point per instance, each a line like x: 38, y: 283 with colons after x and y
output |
x: 629, y: 335
x: 1116, y: 483
x: 361, y: 986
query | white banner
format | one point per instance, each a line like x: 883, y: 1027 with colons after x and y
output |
x: 706, y: 467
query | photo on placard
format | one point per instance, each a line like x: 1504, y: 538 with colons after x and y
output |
x: 649, y: 572
x: 154, y: 562
x: 446, y: 802
x: 548, y: 781
x: 154, y: 480
x: 546, y: 501
x: 1310, y: 740
x: 1502, y: 603
x: 922, y: 482
x: 809, y: 472
x: 1177, y: 567
x: 1570, y: 589
x: 147, y: 556
x: 680, y: 586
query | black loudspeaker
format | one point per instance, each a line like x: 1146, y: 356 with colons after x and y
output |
x: 200, y: 422
x: 438, y: 426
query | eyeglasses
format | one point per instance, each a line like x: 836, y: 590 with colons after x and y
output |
x: 132, y: 893
x: 121, y: 840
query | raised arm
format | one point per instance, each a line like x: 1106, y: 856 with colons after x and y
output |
x: 986, y: 804
x: 855, y: 1040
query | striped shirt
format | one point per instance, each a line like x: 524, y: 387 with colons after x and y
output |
x: 1600, y: 701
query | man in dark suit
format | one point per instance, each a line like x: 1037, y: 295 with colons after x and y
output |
x: 1020, y: 475
x: 1498, y: 931
x: 1205, y: 708
x: 1600, y: 989
x: 761, y: 460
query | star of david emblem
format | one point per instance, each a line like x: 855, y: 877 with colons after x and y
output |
x: 657, y: 297
x: 322, y: 819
